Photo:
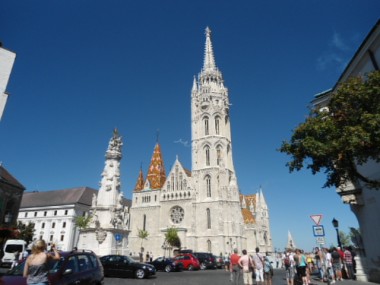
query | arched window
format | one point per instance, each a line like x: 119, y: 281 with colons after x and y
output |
x: 218, y: 154
x: 209, y: 248
x: 144, y: 222
x: 206, y: 126
x: 207, y: 153
x: 208, y: 218
x: 208, y: 186
x: 217, y: 120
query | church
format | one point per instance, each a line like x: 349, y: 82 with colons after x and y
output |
x: 203, y: 204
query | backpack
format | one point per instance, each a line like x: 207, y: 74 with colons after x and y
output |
x: 287, y: 261
x: 267, y: 266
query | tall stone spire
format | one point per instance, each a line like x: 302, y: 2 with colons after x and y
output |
x: 209, y: 60
x: 156, y: 173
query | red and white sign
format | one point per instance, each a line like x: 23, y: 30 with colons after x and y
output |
x: 316, y: 218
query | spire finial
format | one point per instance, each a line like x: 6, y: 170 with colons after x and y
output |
x: 209, y: 61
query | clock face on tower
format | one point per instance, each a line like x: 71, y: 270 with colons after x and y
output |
x: 177, y: 214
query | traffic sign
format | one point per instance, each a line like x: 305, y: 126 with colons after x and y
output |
x: 318, y: 231
x: 118, y: 237
x: 320, y: 240
x: 316, y: 218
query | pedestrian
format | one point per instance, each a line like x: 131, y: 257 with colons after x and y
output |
x: 348, y: 263
x: 15, y: 259
x: 235, y: 268
x: 268, y: 271
x: 226, y: 261
x: 147, y: 256
x: 336, y: 264
x: 289, y: 265
x: 151, y: 257
x: 36, y: 266
x: 301, y: 266
x: 246, y: 263
x: 258, y: 262
x: 277, y: 259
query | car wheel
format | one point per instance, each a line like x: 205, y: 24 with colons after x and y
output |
x: 168, y: 268
x: 140, y: 274
x: 203, y: 266
x: 190, y: 268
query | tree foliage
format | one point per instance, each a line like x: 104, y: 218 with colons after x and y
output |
x: 26, y: 231
x: 345, y: 135
x: 82, y: 222
x: 143, y: 235
x: 172, y: 237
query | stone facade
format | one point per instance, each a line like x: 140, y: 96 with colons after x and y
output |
x: 364, y: 202
x: 204, y: 204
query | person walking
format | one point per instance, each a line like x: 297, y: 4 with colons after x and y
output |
x: 246, y: 263
x: 268, y: 271
x: 226, y: 260
x: 301, y: 266
x: 336, y: 264
x: 258, y: 262
x: 235, y: 267
x: 289, y: 264
x: 348, y: 263
x: 36, y: 265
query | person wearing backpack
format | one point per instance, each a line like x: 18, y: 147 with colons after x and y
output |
x: 259, y: 266
x: 268, y: 271
x: 288, y: 263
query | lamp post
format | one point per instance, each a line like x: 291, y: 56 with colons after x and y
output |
x: 336, y: 226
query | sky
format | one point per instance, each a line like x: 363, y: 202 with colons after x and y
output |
x: 84, y: 68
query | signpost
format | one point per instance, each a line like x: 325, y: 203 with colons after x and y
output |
x: 318, y: 230
x: 118, y: 238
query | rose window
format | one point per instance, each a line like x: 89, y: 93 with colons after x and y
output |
x: 177, y: 214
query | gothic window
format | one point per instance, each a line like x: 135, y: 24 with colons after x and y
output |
x: 218, y: 154
x: 64, y: 225
x: 209, y: 245
x: 43, y: 225
x: 180, y: 181
x: 207, y: 153
x: 208, y: 185
x: 208, y: 218
x: 155, y: 198
x: 217, y: 119
x: 168, y: 186
x: 177, y: 214
x: 172, y: 181
x: 144, y: 222
x: 53, y: 225
x: 206, y: 126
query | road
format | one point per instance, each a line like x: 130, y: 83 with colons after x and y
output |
x: 201, y: 277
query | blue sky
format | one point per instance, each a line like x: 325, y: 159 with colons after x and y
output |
x: 86, y: 67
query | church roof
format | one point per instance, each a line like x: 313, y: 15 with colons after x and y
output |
x: 247, y: 201
x: 8, y: 181
x: 81, y: 195
x: 156, y: 173
x: 140, y: 182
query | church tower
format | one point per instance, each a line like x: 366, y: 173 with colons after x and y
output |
x: 218, y: 212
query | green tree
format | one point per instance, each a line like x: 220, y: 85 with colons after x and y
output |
x: 345, y: 239
x: 26, y: 231
x: 172, y: 237
x: 143, y: 235
x: 346, y: 135
x: 82, y: 222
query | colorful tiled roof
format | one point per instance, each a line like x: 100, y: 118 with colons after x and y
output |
x: 140, y: 182
x: 246, y: 211
x: 247, y: 216
x: 156, y: 173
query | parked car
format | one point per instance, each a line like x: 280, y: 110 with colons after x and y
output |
x: 125, y: 266
x: 219, y: 261
x: 206, y: 260
x: 74, y: 267
x: 166, y: 264
x: 188, y: 261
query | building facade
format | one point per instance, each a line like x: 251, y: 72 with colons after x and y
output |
x: 364, y: 202
x: 54, y: 214
x: 204, y: 205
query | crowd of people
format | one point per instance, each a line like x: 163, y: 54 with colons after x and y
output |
x: 334, y: 264
x: 252, y: 267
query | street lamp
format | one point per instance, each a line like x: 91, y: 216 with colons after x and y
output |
x: 336, y: 226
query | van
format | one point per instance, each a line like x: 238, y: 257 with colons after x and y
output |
x: 11, y: 247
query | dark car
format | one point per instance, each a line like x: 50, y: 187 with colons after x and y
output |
x: 74, y: 267
x: 125, y: 266
x: 206, y: 260
x: 188, y: 261
x: 166, y: 264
